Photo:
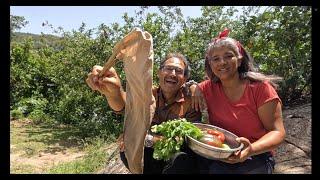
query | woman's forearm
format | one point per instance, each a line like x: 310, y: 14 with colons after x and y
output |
x: 268, y: 142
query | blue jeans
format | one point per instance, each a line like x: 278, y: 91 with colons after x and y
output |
x: 259, y: 164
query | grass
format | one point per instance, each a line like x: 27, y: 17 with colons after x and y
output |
x: 35, y: 149
x: 25, y: 143
x: 32, y: 139
x: 92, y: 162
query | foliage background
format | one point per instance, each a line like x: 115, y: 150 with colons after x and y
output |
x: 47, y: 72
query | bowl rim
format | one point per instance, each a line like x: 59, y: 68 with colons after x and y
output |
x: 212, y: 147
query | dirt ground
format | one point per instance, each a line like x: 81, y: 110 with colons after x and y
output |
x: 292, y: 157
x: 32, y: 153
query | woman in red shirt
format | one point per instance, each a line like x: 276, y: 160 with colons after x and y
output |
x: 241, y: 101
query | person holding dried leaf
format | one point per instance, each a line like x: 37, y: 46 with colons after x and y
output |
x: 172, y: 102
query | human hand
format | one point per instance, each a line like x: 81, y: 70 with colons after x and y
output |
x: 242, y: 155
x: 107, y: 84
x: 157, y: 137
x: 197, y: 99
x: 150, y: 140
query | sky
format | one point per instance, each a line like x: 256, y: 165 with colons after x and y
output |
x: 71, y: 17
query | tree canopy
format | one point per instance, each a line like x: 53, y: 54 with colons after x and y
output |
x: 47, y: 74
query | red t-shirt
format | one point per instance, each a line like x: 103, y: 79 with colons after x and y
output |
x: 240, y: 117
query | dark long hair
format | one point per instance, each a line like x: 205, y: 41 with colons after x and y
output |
x: 246, y: 69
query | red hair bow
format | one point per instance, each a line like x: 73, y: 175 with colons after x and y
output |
x: 224, y: 35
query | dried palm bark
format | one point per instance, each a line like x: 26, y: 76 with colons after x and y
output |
x: 136, y: 51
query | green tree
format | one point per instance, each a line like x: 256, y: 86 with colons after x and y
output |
x: 196, y: 33
x: 16, y: 23
x: 47, y: 73
x: 279, y: 39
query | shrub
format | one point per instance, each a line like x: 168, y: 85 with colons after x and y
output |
x: 16, y: 114
x: 27, y: 105
x: 38, y: 116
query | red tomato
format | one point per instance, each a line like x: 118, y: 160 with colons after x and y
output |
x: 219, y: 134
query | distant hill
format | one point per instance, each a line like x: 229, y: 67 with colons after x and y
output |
x: 38, y: 40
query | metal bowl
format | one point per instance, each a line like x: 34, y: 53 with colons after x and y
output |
x: 211, y: 152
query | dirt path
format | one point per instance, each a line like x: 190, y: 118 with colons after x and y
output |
x: 292, y: 157
x: 35, y: 150
x: 39, y: 164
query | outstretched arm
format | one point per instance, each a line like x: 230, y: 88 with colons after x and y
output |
x: 109, y: 85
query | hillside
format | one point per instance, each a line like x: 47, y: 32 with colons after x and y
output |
x: 38, y: 40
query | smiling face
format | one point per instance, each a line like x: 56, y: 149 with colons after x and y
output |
x: 171, y: 75
x: 224, y: 63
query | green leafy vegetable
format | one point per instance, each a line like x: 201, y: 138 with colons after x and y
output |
x: 174, y: 132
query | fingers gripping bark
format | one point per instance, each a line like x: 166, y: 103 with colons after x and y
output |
x: 108, y: 83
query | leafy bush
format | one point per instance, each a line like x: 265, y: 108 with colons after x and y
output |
x: 28, y: 105
x: 49, y: 78
x: 89, y: 112
x: 38, y: 116
x: 16, y: 114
